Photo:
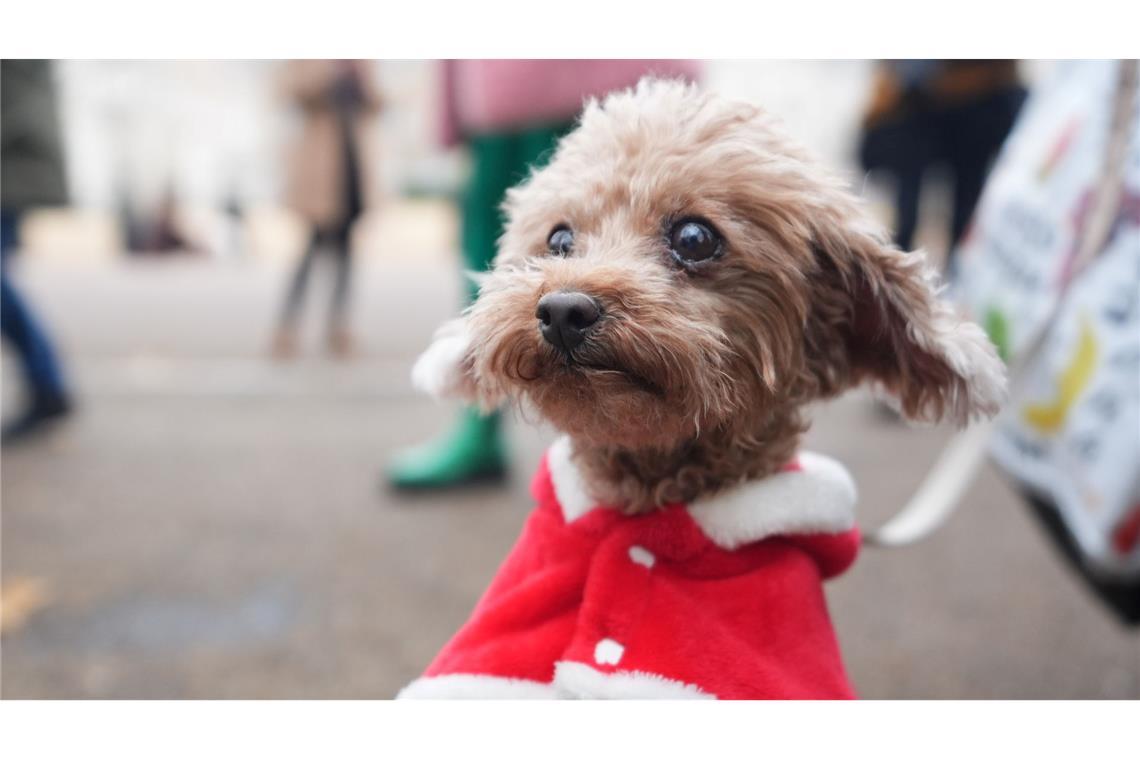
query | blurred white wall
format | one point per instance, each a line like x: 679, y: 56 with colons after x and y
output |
x: 209, y: 133
x: 820, y: 101
x: 211, y: 130
x: 201, y: 129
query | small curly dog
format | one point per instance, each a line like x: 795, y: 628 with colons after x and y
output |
x: 671, y: 291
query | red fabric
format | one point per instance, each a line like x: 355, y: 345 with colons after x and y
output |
x: 1127, y: 532
x: 745, y: 624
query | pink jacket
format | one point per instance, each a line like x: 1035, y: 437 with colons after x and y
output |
x: 481, y: 96
x: 722, y: 598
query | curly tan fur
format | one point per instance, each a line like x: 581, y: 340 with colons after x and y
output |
x: 694, y: 381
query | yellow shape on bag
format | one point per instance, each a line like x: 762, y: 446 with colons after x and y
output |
x: 1048, y: 417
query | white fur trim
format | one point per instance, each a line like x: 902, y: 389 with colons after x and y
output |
x: 641, y: 556
x: 578, y: 681
x: 569, y: 487
x: 468, y: 686
x: 818, y: 498
x: 572, y: 680
x: 608, y: 652
x: 439, y: 370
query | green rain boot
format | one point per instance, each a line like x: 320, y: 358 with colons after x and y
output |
x: 471, y: 452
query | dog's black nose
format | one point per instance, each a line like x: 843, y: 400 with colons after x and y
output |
x: 564, y: 318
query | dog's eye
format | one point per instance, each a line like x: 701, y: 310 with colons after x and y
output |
x: 561, y: 241
x: 693, y: 241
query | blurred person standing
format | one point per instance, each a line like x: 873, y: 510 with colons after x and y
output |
x: 31, y: 175
x: 509, y: 114
x: 331, y: 181
x: 928, y: 113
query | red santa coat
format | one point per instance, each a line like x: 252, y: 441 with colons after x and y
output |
x: 718, y: 599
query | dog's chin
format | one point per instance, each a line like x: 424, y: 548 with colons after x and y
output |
x: 605, y: 404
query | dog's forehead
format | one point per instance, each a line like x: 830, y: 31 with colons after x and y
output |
x: 644, y: 158
x: 654, y: 133
x: 653, y: 150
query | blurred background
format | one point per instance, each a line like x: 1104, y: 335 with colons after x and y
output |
x: 235, y: 264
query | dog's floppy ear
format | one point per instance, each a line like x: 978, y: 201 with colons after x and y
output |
x: 896, y: 330
x: 444, y: 370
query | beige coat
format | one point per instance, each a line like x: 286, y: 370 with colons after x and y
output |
x: 316, y: 160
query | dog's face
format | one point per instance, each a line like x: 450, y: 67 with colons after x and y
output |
x: 682, y: 266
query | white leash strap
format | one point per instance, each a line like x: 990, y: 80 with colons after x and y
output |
x: 941, y: 490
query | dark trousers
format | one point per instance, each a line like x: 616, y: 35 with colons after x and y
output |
x: 22, y: 331
x: 335, y: 244
x: 963, y: 138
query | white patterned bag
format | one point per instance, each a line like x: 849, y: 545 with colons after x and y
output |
x: 1051, y: 267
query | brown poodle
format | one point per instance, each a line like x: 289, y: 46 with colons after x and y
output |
x: 670, y: 292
